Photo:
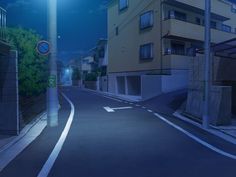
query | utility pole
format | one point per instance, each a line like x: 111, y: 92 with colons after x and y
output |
x: 207, y: 79
x: 52, y: 97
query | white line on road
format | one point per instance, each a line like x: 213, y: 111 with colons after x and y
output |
x: 149, y: 110
x: 108, y: 109
x: 113, y: 99
x: 54, y: 154
x: 196, y: 138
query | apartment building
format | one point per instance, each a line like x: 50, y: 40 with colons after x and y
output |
x: 9, y: 104
x: 150, y: 42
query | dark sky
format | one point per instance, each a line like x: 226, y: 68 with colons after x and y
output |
x: 80, y: 22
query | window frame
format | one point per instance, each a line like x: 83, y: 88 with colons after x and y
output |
x: 151, y: 44
x: 125, y: 7
x: 151, y: 12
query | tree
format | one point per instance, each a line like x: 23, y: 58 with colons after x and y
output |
x: 76, y: 74
x: 32, y: 67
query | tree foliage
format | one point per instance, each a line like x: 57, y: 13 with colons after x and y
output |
x: 32, y: 67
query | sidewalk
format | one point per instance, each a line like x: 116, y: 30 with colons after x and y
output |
x: 170, y: 103
x: 11, y: 146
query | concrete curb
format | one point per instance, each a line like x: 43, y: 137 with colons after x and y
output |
x: 213, y: 130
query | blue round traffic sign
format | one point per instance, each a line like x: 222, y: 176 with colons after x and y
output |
x: 43, y: 47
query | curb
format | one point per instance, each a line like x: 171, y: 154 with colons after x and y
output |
x: 214, y: 130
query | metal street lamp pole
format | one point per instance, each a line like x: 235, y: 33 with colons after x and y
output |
x: 52, y: 97
x: 207, y: 79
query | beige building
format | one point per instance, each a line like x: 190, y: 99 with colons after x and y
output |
x: 150, y: 42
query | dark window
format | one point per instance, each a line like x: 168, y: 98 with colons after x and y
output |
x: 198, y: 21
x: 213, y: 24
x: 146, y: 20
x: 146, y: 51
x: 117, y: 31
x: 177, y: 15
x: 123, y: 4
x: 226, y: 28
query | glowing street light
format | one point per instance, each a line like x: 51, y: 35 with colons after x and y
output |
x: 52, y: 97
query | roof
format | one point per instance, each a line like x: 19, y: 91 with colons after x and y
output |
x: 226, y: 49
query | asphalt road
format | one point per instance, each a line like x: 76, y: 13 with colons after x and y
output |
x: 125, y: 143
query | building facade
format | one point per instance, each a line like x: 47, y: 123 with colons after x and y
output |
x: 150, y: 42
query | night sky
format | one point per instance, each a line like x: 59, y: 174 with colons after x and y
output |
x: 81, y: 22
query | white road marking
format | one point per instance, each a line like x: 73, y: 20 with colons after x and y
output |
x: 149, y: 110
x: 108, y: 109
x: 54, y: 154
x: 138, y: 105
x: 144, y: 107
x: 113, y: 99
x: 219, y: 151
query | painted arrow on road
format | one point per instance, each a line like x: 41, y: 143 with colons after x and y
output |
x: 108, y: 109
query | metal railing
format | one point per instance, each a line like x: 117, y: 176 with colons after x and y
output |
x: 218, y: 28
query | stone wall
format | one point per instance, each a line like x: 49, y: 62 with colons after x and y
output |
x: 9, y: 102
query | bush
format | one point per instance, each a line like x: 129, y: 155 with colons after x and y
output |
x: 91, y: 77
x: 32, y: 67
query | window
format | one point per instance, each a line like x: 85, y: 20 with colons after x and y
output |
x: 177, y: 15
x: 117, y: 31
x: 146, y: 51
x: 213, y: 24
x: 233, y: 9
x: 198, y: 21
x: 123, y: 4
x: 226, y: 28
x: 146, y: 20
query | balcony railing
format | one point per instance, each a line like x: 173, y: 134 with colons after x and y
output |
x: 188, y: 52
x: 3, y: 22
x: 200, y: 24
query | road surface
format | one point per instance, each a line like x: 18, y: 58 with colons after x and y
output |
x: 127, y: 142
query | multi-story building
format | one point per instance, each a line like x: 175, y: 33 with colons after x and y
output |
x: 4, y: 48
x: 150, y: 42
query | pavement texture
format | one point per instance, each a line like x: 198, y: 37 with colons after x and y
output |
x: 125, y: 143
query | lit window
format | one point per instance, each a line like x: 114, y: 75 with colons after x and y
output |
x: 123, y: 4
x: 146, y: 20
x: 146, y: 51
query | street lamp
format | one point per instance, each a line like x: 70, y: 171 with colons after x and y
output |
x: 52, y: 97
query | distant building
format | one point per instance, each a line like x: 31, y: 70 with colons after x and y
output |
x: 150, y: 42
x: 87, y: 64
x: 9, y: 102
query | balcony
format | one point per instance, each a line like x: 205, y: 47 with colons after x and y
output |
x: 220, y: 10
x: 180, y: 29
x: 174, y: 61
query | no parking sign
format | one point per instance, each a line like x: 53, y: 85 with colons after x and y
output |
x: 43, y: 48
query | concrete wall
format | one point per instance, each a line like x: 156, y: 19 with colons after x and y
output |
x: 176, y: 81
x: 220, y: 96
x: 9, y: 102
x: 151, y: 86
